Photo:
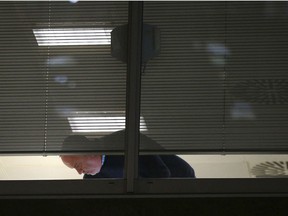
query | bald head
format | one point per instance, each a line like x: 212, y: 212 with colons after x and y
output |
x: 87, y: 164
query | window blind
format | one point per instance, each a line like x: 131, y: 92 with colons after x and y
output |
x: 219, y: 83
x: 215, y: 82
x: 57, y: 75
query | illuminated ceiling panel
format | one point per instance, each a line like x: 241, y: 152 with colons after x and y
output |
x: 72, y: 36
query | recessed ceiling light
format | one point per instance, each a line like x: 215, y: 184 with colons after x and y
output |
x: 72, y: 36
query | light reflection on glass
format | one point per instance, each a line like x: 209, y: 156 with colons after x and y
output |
x: 64, y: 111
x: 242, y: 110
x: 218, y: 49
x: 60, y: 61
x: 61, y: 79
x: 73, y: 1
x: 216, y: 60
x: 218, y: 52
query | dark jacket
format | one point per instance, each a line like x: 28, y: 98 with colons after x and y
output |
x: 150, y: 166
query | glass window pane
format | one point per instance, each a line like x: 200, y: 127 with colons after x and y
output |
x: 214, y: 81
x: 61, y: 82
x: 58, y: 75
x: 218, y: 80
x: 256, y: 76
x: 182, y: 89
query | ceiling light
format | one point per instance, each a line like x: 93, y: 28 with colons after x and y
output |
x: 72, y: 36
x: 100, y: 124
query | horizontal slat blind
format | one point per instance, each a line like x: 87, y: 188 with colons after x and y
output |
x: 219, y: 83
x: 182, y: 92
x: 257, y: 34
x: 48, y: 92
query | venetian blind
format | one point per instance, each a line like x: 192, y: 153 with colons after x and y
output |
x: 63, y: 83
x: 219, y: 83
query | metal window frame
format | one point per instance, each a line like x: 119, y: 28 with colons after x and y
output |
x: 135, y: 21
x: 144, y: 188
x: 131, y: 185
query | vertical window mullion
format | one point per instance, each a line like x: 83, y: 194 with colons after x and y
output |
x: 133, y: 92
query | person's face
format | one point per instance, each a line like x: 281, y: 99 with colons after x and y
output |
x: 87, y: 164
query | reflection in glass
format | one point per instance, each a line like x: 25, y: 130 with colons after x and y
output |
x: 218, y: 53
x: 61, y: 61
x: 242, y: 110
x: 61, y: 79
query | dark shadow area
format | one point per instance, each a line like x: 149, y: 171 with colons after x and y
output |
x: 147, y: 206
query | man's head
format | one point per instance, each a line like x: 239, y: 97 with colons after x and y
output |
x: 87, y: 164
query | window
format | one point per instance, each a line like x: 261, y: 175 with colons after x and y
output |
x: 208, y: 84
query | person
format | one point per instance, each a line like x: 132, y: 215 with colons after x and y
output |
x: 112, y: 166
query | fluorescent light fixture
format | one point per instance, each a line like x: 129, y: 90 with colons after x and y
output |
x: 72, y: 36
x: 100, y: 124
